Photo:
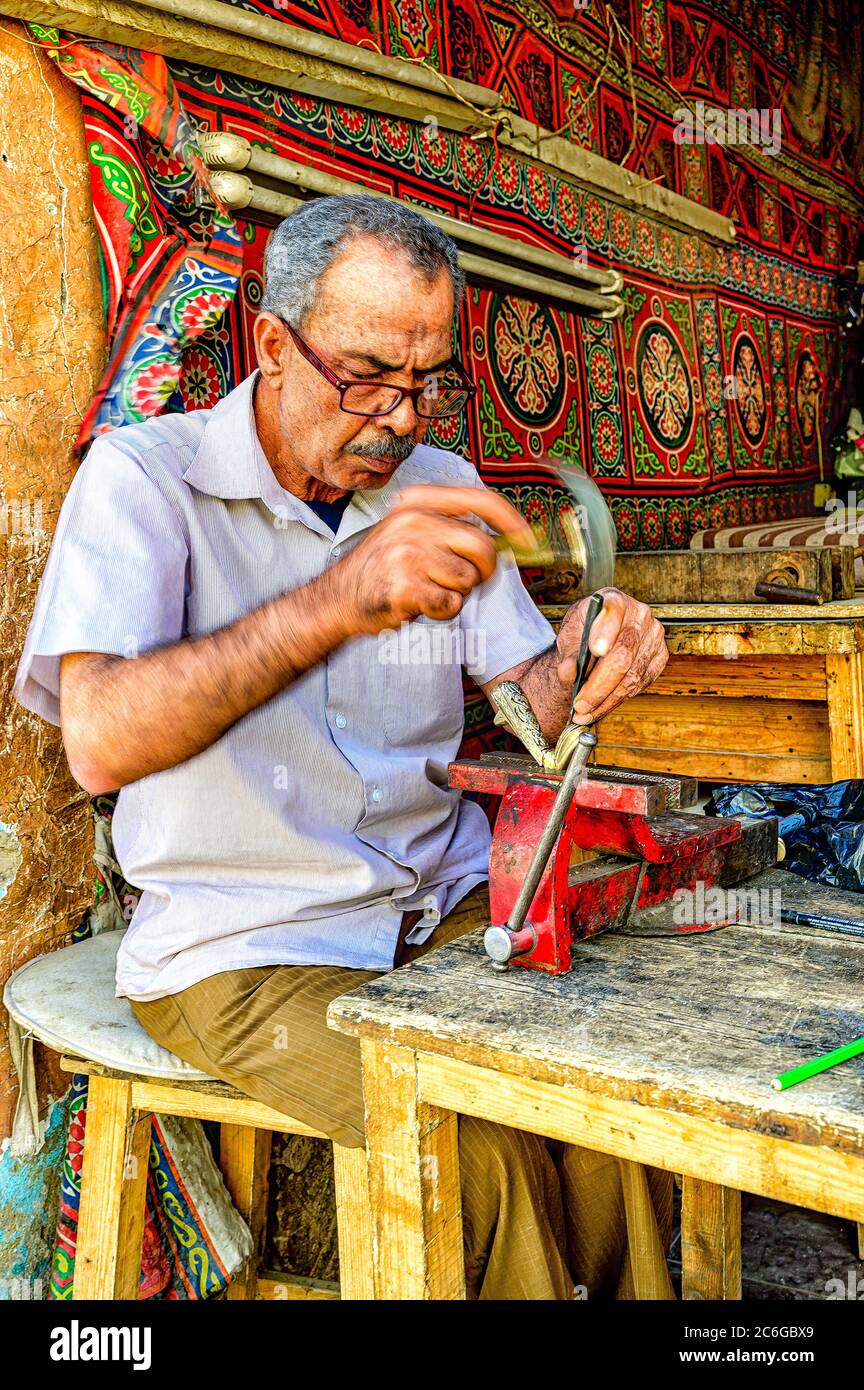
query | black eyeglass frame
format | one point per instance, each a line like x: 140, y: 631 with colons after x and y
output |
x: 416, y: 393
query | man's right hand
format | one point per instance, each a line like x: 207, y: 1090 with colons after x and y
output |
x: 424, y: 558
x: 124, y: 719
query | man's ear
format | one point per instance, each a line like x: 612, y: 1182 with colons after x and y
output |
x: 272, y: 347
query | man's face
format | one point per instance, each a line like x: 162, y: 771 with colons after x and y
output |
x: 377, y: 318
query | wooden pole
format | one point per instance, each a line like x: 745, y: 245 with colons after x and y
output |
x: 224, y: 150
x: 396, y: 92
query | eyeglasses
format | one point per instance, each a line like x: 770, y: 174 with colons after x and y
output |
x: 443, y: 393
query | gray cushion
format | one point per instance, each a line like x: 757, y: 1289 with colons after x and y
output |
x: 66, y: 999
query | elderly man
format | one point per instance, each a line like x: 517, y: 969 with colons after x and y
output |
x: 207, y: 636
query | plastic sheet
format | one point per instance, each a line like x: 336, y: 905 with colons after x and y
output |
x: 822, y: 827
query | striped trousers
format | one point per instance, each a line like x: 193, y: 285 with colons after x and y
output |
x: 541, y: 1219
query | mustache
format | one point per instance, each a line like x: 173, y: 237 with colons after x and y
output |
x: 392, y: 448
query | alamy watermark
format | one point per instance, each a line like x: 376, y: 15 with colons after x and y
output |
x: 713, y: 125
x: 712, y: 905
x: 433, y: 644
x: 845, y: 519
x: 21, y: 516
x: 78, y: 1342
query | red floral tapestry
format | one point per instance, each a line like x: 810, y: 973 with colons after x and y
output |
x: 707, y: 402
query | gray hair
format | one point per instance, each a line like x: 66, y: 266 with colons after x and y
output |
x: 303, y: 247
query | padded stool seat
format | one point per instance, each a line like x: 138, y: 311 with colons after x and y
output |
x: 66, y: 999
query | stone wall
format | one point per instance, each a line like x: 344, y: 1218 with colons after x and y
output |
x: 51, y: 356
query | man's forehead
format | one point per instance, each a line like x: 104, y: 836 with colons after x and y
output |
x: 373, y: 288
x: 388, y: 338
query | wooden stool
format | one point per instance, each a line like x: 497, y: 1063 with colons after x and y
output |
x: 66, y: 1000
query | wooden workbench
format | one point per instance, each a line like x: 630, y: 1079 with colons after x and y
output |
x: 752, y: 693
x: 658, y: 1051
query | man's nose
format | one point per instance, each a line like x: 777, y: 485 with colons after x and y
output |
x: 402, y: 420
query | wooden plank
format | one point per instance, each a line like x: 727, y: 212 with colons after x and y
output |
x: 113, y: 1190
x: 840, y: 610
x: 661, y: 576
x: 696, y: 1025
x: 209, y: 1087
x: 413, y: 1183
x: 710, y: 1240
x: 244, y: 1158
x: 723, y: 576
x: 723, y: 766
x: 354, y: 1223
x: 646, y: 1254
x: 811, y: 1176
x: 845, y: 695
x: 838, y: 622
x: 755, y: 677
x: 277, y: 1287
x: 232, y: 1110
x: 720, y: 738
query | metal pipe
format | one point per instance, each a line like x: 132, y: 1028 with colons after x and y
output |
x: 237, y: 191
x: 225, y: 150
x: 290, y: 36
x: 603, y: 306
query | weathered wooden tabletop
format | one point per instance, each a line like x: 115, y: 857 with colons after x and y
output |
x: 699, y: 1025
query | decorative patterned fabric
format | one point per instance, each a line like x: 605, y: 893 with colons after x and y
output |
x: 807, y: 530
x: 170, y: 258
x: 182, y: 1257
x: 644, y: 403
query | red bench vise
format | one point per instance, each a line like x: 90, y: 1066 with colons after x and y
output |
x: 646, y: 847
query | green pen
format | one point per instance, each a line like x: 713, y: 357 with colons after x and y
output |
x: 831, y: 1059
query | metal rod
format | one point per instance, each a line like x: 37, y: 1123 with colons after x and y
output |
x: 223, y: 150
x: 315, y: 45
x: 238, y: 191
x: 563, y: 797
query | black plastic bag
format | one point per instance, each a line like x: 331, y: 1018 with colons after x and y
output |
x: 822, y: 827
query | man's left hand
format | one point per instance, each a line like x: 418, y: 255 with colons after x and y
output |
x: 630, y: 647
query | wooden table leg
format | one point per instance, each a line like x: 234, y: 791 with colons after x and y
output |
x: 710, y: 1240
x: 413, y: 1182
x: 845, y: 684
x: 354, y: 1223
x: 244, y: 1158
x: 113, y: 1193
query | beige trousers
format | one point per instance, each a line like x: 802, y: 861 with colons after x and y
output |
x: 542, y: 1219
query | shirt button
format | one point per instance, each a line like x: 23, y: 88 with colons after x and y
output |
x: 377, y: 794
x: 340, y: 721
x: 336, y: 552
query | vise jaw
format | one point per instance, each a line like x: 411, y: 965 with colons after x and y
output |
x: 627, y: 849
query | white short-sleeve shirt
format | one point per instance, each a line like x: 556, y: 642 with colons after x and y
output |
x: 304, y: 832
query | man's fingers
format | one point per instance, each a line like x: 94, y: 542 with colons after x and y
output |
x: 489, y: 506
x: 450, y: 571
x: 625, y: 689
x: 606, y: 627
x: 469, y: 542
x: 604, y: 631
x: 439, y: 603
x: 630, y: 648
x: 635, y: 662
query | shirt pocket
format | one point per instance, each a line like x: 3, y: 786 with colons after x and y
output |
x: 423, y: 691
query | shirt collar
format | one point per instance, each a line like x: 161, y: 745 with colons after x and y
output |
x: 230, y: 463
